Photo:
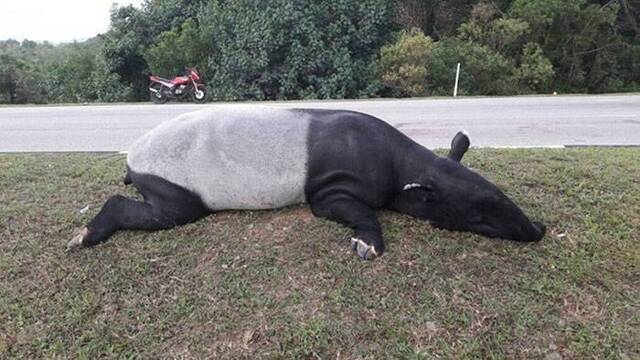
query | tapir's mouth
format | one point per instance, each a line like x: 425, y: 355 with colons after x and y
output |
x: 539, y: 230
x: 531, y: 232
x: 448, y: 226
x: 488, y: 231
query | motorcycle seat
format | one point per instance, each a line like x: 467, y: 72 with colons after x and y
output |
x: 180, y: 80
x: 163, y: 79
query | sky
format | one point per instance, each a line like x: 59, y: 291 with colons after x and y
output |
x: 55, y: 20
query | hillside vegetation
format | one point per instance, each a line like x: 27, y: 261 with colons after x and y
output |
x: 296, y: 49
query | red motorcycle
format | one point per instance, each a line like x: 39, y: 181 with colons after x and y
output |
x: 161, y: 89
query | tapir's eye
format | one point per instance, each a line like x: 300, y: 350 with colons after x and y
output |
x: 426, y: 194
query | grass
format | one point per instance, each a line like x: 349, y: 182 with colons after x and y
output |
x: 284, y: 284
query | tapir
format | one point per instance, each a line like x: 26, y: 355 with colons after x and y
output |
x: 344, y: 164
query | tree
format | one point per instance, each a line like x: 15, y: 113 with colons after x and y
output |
x: 292, y: 49
x: 124, y: 45
x: 133, y: 31
x: 404, y: 65
x: 580, y: 40
x: 483, y: 71
x: 535, y: 72
x: 178, y: 48
x: 8, y: 74
x: 285, y: 49
x: 69, y: 81
x: 20, y: 80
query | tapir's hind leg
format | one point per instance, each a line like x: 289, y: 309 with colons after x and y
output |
x: 165, y: 206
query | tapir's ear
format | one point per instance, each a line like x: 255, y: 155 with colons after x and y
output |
x: 459, y: 146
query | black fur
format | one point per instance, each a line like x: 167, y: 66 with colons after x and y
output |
x: 358, y: 164
x: 165, y: 206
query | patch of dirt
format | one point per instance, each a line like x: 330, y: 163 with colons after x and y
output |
x: 585, y: 308
x: 275, y: 226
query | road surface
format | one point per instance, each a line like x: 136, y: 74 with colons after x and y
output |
x: 612, y: 120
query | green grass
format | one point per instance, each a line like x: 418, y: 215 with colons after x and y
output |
x: 282, y: 284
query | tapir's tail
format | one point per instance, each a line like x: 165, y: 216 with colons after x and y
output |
x: 127, y: 178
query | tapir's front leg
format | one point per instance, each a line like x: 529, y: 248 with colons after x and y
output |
x: 367, y: 240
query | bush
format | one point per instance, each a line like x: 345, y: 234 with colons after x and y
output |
x: 535, y: 72
x: 21, y: 81
x: 404, y: 65
x: 176, y: 49
x: 483, y: 71
x: 416, y: 66
x: 578, y: 37
x: 107, y: 86
x: 283, y: 49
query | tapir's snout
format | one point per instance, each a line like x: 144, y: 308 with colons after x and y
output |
x: 534, y: 231
x: 539, y: 230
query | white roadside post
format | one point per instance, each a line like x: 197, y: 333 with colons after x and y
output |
x: 455, y: 88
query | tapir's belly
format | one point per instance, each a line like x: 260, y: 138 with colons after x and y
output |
x: 232, y: 157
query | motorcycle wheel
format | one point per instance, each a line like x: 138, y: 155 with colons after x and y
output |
x: 199, y: 94
x: 157, y: 97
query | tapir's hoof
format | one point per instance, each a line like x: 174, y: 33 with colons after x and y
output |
x: 365, y: 251
x: 77, y: 240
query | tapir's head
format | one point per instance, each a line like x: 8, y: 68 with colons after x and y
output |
x: 453, y: 197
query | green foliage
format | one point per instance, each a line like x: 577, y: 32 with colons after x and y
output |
x: 8, y: 66
x: 498, y: 35
x: 20, y: 80
x: 176, y: 49
x: 294, y: 49
x: 69, y: 80
x: 493, y: 53
x: 248, y: 49
x: 438, y: 19
x: 284, y: 49
x: 42, y: 73
x: 483, y: 71
x: 535, y: 71
x: 537, y: 46
x: 106, y: 85
x: 30, y: 83
x: 123, y: 47
x: 404, y: 65
x: 580, y: 40
x: 628, y: 71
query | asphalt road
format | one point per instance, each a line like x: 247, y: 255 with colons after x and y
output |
x: 612, y: 120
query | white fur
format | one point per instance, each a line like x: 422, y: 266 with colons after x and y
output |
x: 233, y: 157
